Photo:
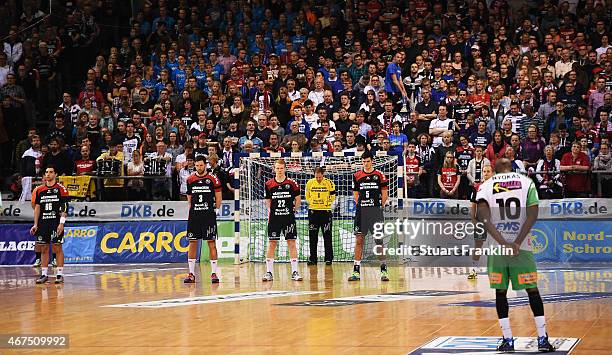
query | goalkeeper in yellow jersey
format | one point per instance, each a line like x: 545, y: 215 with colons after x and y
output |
x: 320, y: 194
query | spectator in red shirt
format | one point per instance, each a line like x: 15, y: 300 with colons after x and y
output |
x: 574, y: 164
x: 92, y: 93
x: 448, y: 177
x: 84, y: 165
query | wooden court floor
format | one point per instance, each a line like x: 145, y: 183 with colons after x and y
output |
x: 263, y: 326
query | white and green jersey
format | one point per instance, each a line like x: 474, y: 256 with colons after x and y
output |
x: 508, y: 196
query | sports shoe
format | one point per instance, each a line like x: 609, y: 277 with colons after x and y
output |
x: 190, y: 279
x: 355, y: 276
x: 213, y: 278
x: 472, y: 275
x: 507, y: 345
x: 295, y: 276
x: 544, y: 345
x: 310, y: 263
x: 328, y: 262
x: 384, y: 275
x: 37, y: 263
x: 53, y: 263
x: 59, y: 279
x: 42, y: 279
x: 268, y: 277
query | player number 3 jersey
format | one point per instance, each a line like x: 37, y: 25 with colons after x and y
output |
x: 282, y: 194
x: 202, y: 190
x: 508, y: 196
x: 370, y: 186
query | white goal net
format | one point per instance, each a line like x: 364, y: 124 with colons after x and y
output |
x: 256, y: 169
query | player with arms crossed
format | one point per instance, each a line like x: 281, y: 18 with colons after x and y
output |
x: 370, y: 190
x: 283, y: 200
x: 204, y: 198
x: 50, y: 211
x: 506, y: 201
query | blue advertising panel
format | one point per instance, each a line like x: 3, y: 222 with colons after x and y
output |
x: 572, y: 241
x: 80, y: 244
x: 142, y: 242
x: 16, y: 244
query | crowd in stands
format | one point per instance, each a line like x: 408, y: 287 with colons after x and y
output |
x: 448, y: 86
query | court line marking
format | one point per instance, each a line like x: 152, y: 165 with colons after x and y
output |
x: 230, y: 297
x: 84, y: 265
x: 122, y: 271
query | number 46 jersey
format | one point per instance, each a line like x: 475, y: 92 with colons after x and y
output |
x: 508, y: 196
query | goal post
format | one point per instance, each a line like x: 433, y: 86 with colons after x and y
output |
x: 251, y: 217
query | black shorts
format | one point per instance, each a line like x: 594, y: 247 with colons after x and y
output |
x: 282, y: 228
x: 202, y: 228
x: 319, y: 219
x: 478, y: 235
x: 49, y: 236
x: 365, y: 218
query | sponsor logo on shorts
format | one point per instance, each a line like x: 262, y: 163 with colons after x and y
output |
x: 495, y: 277
x: 528, y: 278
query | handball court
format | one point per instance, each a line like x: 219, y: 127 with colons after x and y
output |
x: 146, y: 309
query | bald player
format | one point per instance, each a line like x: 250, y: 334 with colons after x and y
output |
x: 508, y: 208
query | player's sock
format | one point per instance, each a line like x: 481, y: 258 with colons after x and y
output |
x: 540, y: 322
x: 504, y: 323
x: 191, y: 265
x: 474, y: 264
x: 269, y: 265
x: 357, y: 265
x: 60, y: 270
x: 294, y: 265
x: 53, y: 256
x: 44, y: 271
x: 213, y: 266
x: 38, y: 254
x: 383, y: 267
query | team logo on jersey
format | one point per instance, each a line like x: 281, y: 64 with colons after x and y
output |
x: 506, y: 186
x: 375, y: 178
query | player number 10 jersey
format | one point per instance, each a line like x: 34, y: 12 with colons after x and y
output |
x: 508, y: 196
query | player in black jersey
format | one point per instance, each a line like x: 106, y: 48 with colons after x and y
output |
x: 50, y: 211
x: 370, y: 190
x: 283, y: 198
x: 204, y: 198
